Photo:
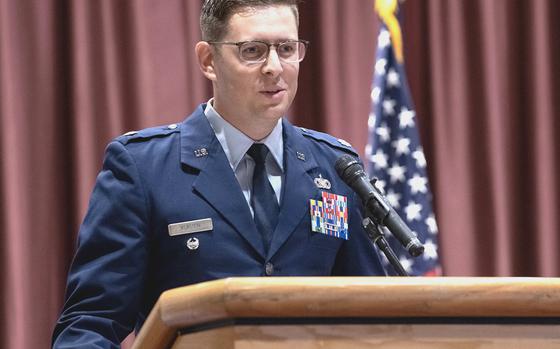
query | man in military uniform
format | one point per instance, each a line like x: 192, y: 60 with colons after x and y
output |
x: 234, y: 190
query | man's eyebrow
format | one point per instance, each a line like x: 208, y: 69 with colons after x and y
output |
x: 272, y: 41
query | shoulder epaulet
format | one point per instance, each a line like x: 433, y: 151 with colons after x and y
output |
x: 148, y: 133
x: 328, y: 139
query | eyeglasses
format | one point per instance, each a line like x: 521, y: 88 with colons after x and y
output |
x: 255, y: 51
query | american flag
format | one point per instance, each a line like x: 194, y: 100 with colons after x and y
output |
x: 395, y: 157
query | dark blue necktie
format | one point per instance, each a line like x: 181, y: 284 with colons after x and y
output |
x: 263, y: 199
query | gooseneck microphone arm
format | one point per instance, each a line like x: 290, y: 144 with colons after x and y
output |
x: 376, y: 235
x: 376, y: 205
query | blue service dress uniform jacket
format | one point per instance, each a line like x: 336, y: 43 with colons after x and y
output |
x: 159, y: 176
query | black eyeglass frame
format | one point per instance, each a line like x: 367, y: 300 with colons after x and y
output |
x: 268, y: 46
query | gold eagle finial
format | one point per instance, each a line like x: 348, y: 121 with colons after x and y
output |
x: 387, y: 11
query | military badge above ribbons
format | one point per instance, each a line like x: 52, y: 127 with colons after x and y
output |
x: 329, y: 216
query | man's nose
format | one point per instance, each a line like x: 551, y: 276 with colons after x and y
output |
x: 272, y: 65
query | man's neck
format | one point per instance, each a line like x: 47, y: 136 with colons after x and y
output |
x: 254, y: 128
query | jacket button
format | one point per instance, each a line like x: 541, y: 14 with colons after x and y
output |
x: 269, y: 269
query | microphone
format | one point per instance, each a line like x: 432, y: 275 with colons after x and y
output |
x: 352, y: 173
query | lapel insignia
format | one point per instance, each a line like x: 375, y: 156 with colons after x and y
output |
x: 200, y: 152
x: 300, y: 155
x: 322, y: 183
x: 329, y: 216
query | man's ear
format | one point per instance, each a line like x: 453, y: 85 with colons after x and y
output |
x: 205, y: 56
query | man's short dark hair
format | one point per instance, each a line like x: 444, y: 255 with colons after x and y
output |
x: 215, y: 14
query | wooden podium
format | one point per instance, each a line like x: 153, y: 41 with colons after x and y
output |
x: 357, y: 312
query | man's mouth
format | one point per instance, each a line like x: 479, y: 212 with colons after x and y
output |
x: 273, y: 92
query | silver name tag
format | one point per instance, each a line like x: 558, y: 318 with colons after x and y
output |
x: 190, y: 227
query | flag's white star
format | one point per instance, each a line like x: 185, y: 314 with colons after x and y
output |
x: 384, y: 39
x: 389, y: 106
x: 412, y: 211
x: 401, y: 146
x: 393, y: 79
x: 406, y: 264
x: 393, y: 198
x: 432, y: 224
x: 418, y: 184
x: 379, y: 159
x: 371, y: 121
x: 380, y: 184
x: 418, y: 155
x: 430, y: 250
x: 383, y: 132
x: 396, y: 173
x: 381, y: 66
x: 406, y: 118
x: 375, y: 95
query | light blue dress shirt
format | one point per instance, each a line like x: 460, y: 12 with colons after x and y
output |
x: 235, y: 144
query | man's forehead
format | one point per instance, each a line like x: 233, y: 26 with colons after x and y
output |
x: 251, y: 10
x: 263, y: 21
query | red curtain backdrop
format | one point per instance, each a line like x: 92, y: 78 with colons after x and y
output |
x: 76, y: 73
x: 486, y: 80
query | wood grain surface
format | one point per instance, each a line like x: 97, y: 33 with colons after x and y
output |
x: 343, y: 297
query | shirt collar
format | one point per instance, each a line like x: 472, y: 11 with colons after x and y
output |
x: 235, y: 143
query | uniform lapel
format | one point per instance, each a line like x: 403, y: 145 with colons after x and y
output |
x: 298, y: 186
x: 216, y: 182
